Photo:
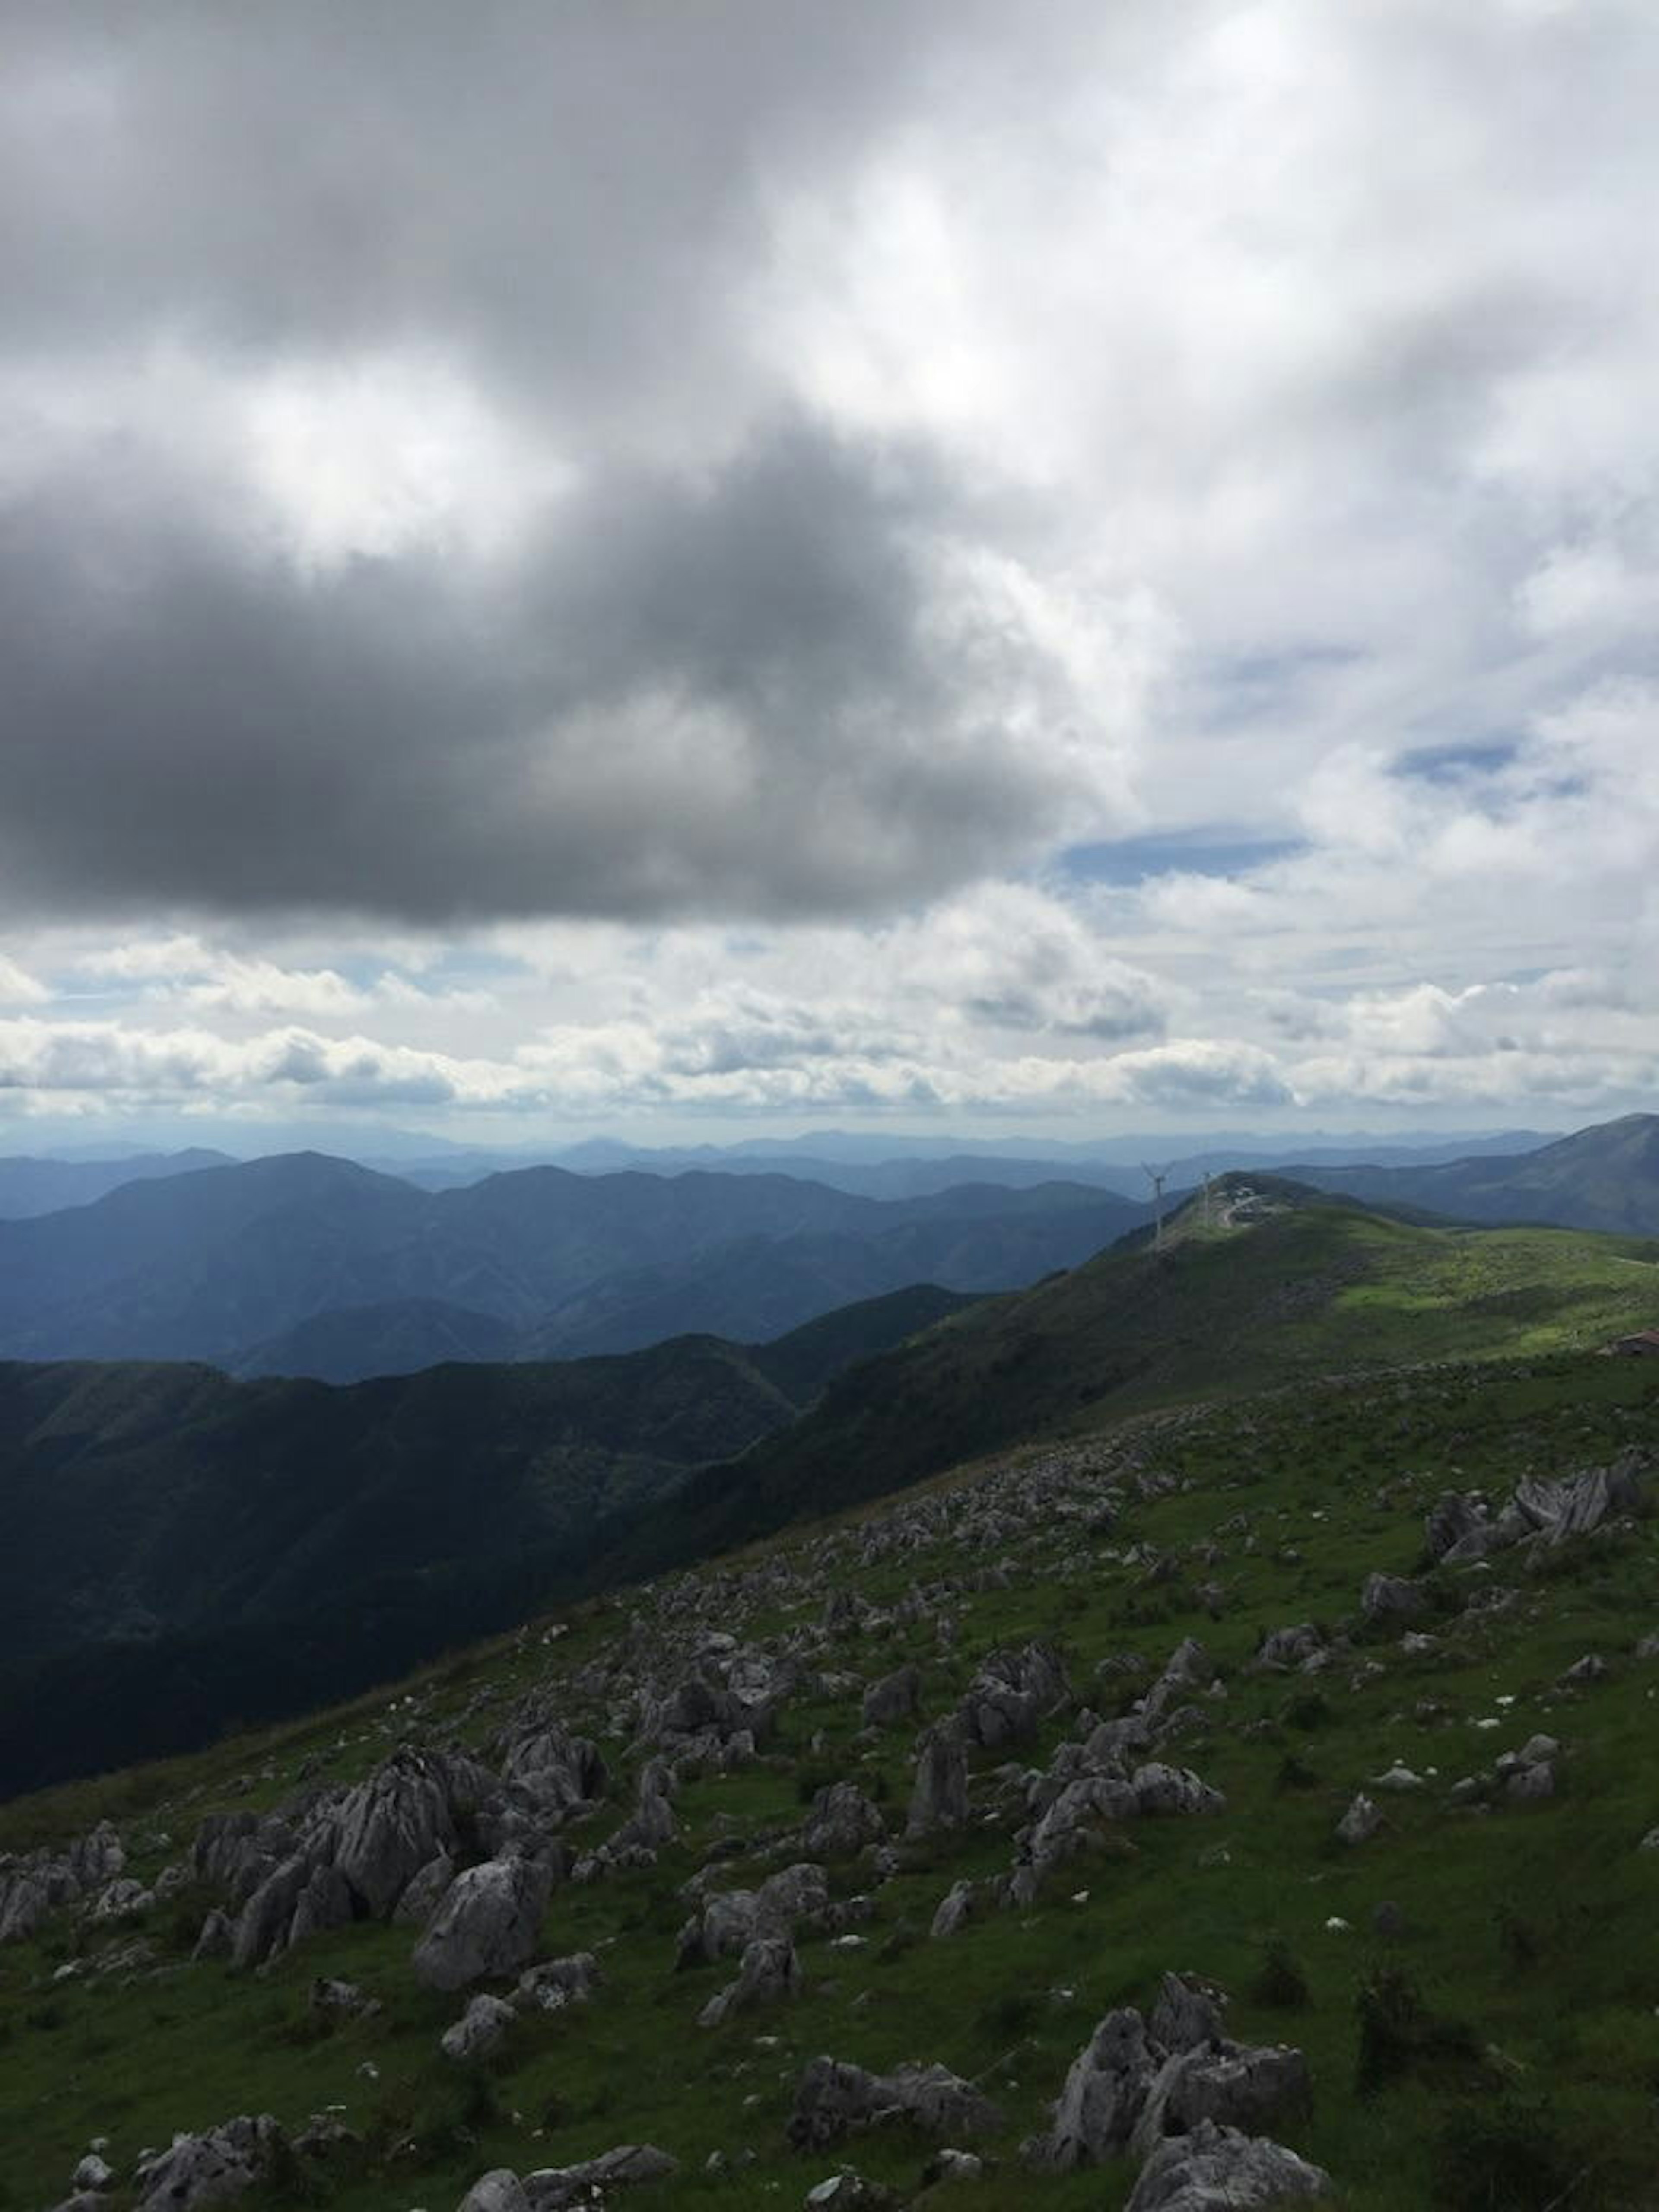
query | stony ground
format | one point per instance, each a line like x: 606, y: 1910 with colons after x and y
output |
x: 1246, y: 1805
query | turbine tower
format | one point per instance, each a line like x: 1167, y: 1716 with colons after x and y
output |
x: 1158, y: 1177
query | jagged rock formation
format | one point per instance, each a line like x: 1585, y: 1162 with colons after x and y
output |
x: 209, y: 2168
x: 756, y: 1748
x: 1461, y: 1527
x: 35, y: 1885
x: 834, y: 2098
x: 770, y: 1973
x: 732, y: 1920
x: 1132, y: 2085
x: 1218, y: 2169
x: 552, y: 2188
x: 895, y: 1698
x: 938, y: 1798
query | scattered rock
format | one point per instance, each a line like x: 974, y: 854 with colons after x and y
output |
x: 938, y: 1798
x: 344, y: 1998
x: 896, y: 1698
x: 1187, y: 2013
x: 730, y: 1921
x: 1013, y: 1693
x: 1233, y: 2085
x: 1389, y: 1597
x: 499, y: 2191
x: 558, y: 1982
x: 956, y: 1910
x: 834, y: 2097
x: 1301, y: 1646
x: 770, y: 1973
x: 488, y: 1923
x: 1360, y: 1822
x: 1218, y: 2169
x: 1103, y: 2096
x: 551, y: 2188
x: 208, y: 2168
x: 843, y: 1821
x: 953, y: 2165
x: 478, y: 2031
x: 847, y: 2191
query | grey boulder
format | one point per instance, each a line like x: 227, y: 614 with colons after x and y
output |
x: 1235, y: 2086
x: 834, y: 2097
x: 558, y: 1982
x: 479, y: 2030
x: 1218, y: 2169
x: 209, y: 2168
x: 1390, y: 1597
x: 498, y: 2191
x: 551, y: 2188
x: 843, y: 1820
x: 770, y: 1974
x: 895, y: 1698
x: 488, y: 1924
x: 939, y: 1797
x: 1105, y: 2095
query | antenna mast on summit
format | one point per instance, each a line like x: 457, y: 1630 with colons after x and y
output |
x: 1158, y: 1177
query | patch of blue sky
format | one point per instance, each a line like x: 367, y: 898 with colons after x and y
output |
x: 1245, y: 687
x: 1127, y: 861
x: 1468, y: 762
x: 457, y: 968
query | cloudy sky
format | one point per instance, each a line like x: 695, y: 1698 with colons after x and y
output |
x: 688, y: 567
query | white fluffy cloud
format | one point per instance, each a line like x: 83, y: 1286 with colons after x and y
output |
x: 1082, y: 563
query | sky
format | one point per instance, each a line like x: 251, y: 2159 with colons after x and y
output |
x: 701, y: 567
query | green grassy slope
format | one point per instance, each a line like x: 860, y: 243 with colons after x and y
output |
x: 1528, y: 1927
x: 1321, y: 1287
x: 183, y: 1550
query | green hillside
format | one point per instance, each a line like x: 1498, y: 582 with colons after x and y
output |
x: 1297, y: 1286
x: 1473, y: 1986
x: 184, y: 1551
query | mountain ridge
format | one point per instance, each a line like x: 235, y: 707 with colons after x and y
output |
x: 1603, y: 1177
x: 214, y: 1264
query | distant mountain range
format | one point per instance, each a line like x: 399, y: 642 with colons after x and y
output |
x: 1603, y: 1177
x: 182, y: 1550
x: 306, y: 1264
x: 912, y: 1169
x: 29, y: 1186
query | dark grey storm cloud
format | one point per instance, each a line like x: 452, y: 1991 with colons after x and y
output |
x: 720, y: 698
x: 567, y: 190
x: 737, y: 668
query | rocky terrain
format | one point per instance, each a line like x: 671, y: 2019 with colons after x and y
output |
x: 1249, y: 1805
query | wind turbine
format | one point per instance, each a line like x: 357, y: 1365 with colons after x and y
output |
x: 1158, y: 1177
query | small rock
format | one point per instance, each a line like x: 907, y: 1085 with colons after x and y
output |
x: 497, y: 2192
x: 953, y: 2165
x: 1360, y: 1822
x: 478, y: 2031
